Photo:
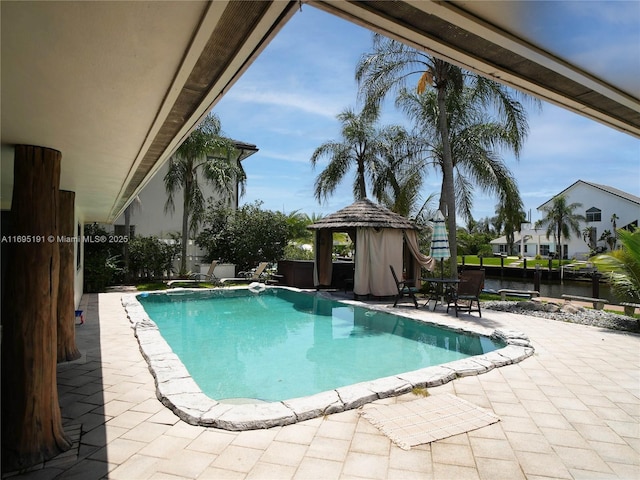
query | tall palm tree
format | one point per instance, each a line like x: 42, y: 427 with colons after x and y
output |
x: 561, y: 220
x: 204, y: 155
x: 475, y: 140
x: 389, y: 68
x: 359, y: 146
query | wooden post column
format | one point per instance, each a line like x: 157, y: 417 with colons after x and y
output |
x: 67, y: 349
x: 31, y: 420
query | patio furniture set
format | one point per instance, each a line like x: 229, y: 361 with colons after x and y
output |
x: 462, y: 293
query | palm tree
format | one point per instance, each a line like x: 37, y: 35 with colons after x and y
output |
x: 614, y: 229
x: 389, y: 67
x: 560, y: 221
x: 397, y: 174
x: 204, y: 155
x: 298, y: 223
x: 475, y: 138
x: 589, y: 237
x: 623, y: 266
x: 511, y: 216
x: 609, y: 238
x: 359, y: 146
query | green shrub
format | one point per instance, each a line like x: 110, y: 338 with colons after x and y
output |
x: 244, y: 237
x: 102, y: 259
x: 150, y: 258
x: 295, y: 252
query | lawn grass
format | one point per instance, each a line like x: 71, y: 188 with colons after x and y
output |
x: 145, y: 287
x: 495, y: 261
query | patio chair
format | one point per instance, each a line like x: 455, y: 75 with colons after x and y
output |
x: 254, y: 275
x: 194, y: 277
x: 406, y: 288
x: 209, y: 276
x: 467, y: 292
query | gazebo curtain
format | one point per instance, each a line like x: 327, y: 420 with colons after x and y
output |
x: 375, y: 251
x: 419, y: 259
x: 323, y: 267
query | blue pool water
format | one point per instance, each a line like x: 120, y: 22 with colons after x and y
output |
x: 282, y: 344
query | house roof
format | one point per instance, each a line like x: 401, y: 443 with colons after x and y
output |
x: 605, y: 188
x: 517, y: 238
x: 363, y: 213
x: 246, y: 149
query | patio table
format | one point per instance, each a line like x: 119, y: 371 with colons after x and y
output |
x: 442, y: 288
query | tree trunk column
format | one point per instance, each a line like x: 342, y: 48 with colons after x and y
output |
x: 31, y: 419
x: 67, y: 349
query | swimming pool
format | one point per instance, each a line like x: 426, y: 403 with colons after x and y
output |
x: 280, y: 344
x: 304, y: 354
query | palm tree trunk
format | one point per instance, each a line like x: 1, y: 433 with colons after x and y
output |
x: 362, y: 187
x: 447, y: 199
x: 185, y: 226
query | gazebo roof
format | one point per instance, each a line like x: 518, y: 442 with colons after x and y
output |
x: 363, y: 213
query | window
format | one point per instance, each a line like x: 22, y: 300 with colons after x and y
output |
x: 544, y: 250
x: 594, y: 215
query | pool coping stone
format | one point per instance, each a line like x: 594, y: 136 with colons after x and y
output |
x: 177, y: 390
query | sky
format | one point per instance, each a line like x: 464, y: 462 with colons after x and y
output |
x: 287, y: 102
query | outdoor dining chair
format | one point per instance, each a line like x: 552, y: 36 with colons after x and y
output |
x: 405, y: 288
x: 467, y: 292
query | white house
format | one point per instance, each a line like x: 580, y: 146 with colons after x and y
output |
x: 599, y: 204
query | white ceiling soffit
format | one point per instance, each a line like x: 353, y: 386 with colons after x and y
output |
x: 117, y: 86
x: 472, y: 39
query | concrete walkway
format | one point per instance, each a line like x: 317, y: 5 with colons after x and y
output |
x: 570, y: 411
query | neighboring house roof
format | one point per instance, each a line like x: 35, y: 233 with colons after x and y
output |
x: 246, y: 149
x: 517, y: 238
x: 605, y: 188
x: 363, y: 213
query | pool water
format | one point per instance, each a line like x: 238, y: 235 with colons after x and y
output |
x: 281, y: 344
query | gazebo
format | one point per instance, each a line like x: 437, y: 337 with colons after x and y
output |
x: 380, y: 237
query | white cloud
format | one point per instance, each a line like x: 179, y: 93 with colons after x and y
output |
x: 307, y: 103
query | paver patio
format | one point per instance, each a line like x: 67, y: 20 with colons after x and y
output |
x: 572, y: 410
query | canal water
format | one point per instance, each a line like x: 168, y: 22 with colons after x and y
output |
x: 552, y: 288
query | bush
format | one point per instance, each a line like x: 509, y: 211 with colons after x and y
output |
x: 150, y: 258
x: 485, y: 251
x: 246, y: 236
x: 102, y: 260
x: 295, y: 252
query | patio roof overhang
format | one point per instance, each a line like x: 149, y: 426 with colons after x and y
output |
x: 117, y: 86
x: 488, y: 37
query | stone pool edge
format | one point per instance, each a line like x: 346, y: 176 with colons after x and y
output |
x: 179, y: 392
